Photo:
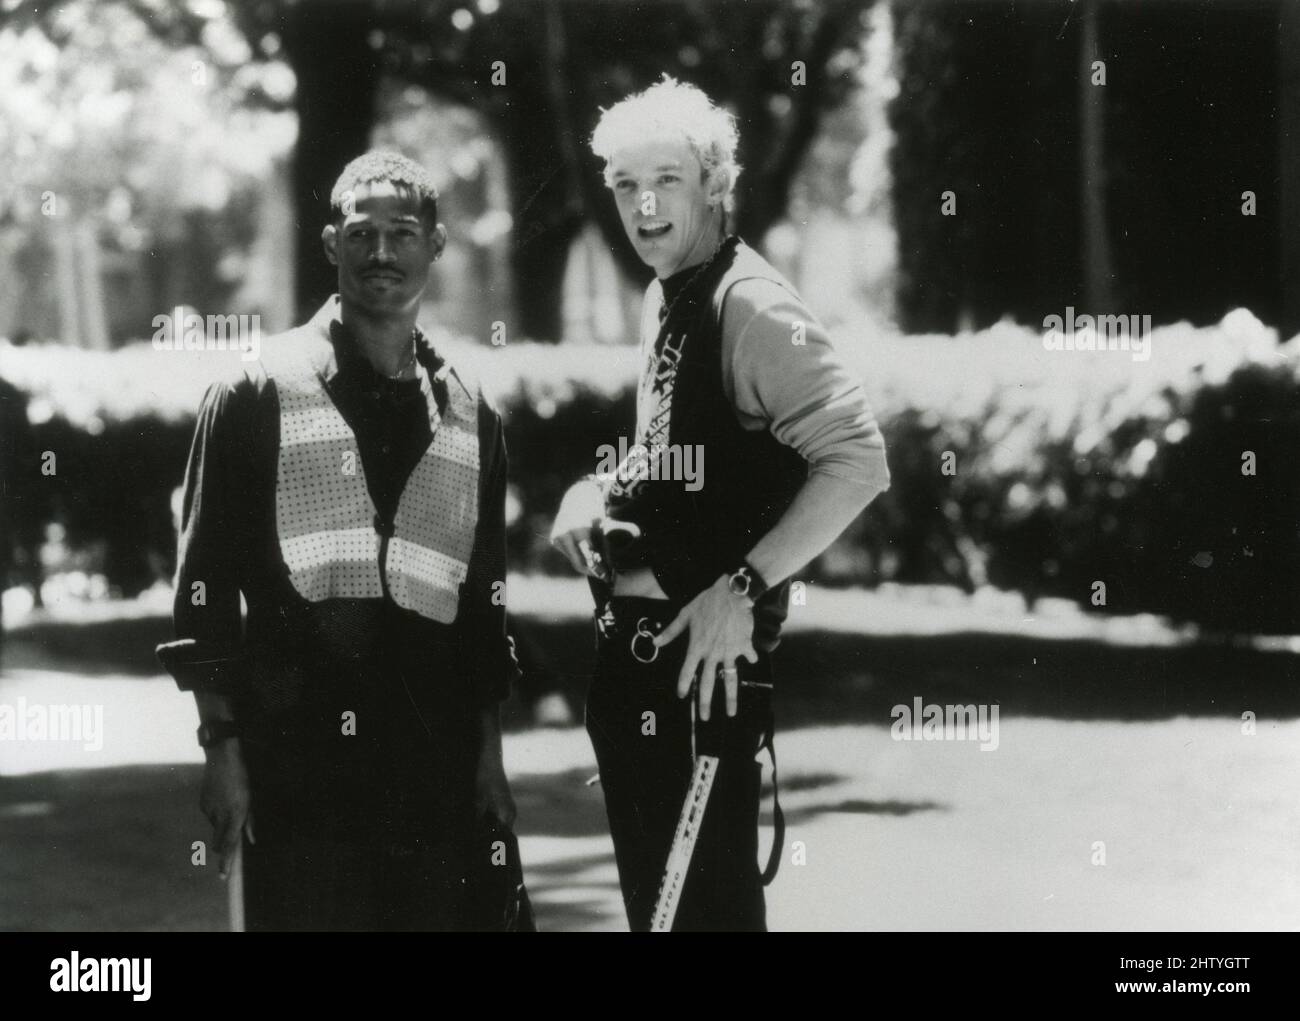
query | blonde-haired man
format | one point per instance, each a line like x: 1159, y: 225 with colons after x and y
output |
x: 733, y: 365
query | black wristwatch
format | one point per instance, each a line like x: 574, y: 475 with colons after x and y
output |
x: 745, y: 581
x: 212, y: 734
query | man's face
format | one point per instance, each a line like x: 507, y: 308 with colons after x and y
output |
x: 663, y: 201
x: 383, y: 249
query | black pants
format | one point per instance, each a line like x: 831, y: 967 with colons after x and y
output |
x: 310, y: 884
x: 645, y: 770
x: 368, y: 827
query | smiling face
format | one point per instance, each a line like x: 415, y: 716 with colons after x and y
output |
x: 383, y: 249
x: 670, y: 211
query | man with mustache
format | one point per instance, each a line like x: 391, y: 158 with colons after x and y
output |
x: 690, y: 605
x: 351, y: 485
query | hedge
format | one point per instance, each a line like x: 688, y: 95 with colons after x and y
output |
x: 1013, y: 466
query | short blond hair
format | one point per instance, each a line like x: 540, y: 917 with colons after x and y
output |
x: 674, y: 109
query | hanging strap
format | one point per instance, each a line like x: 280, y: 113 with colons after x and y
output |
x: 778, y: 817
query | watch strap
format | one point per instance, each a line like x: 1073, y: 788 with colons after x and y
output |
x: 745, y: 581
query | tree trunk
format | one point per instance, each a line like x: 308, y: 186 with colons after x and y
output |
x: 94, y: 314
x: 65, y: 265
x: 543, y: 225
x: 338, y: 76
x: 541, y: 156
x: 1288, y: 93
x: 1098, y: 269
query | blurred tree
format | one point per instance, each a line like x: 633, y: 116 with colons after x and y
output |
x: 778, y: 65
x: 1139, y: 210
x: 987, y: 110
x: 540, y: 70
x: 1098, y: 268
x: 117, y: 145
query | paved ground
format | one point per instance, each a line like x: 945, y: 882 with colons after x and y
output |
x: 1131, y: 752
x: 1200, y: 824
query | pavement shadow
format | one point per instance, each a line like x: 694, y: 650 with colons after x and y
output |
x: 107, y: 850
x: 835, y: 677
x: 857, y: 806
x: 111, y: 850
x: 832, y: 677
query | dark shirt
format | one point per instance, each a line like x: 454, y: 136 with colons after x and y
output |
x: 229, y: 541
x: 414, y: 687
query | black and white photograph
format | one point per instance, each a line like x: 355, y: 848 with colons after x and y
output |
x: 651, y: 466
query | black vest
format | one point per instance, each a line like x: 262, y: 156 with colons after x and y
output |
x: 749, y: 477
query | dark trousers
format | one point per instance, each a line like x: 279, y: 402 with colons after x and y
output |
x: 315, y: 885
x: 365, y: 828
x: 645, y: 766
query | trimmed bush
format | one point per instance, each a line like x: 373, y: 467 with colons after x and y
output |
x: 1014, y: 466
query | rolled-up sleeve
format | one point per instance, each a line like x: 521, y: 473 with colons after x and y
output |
x: 783, y: 373
x: 207, y: 654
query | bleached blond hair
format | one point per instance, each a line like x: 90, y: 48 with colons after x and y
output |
x: 672, y: 109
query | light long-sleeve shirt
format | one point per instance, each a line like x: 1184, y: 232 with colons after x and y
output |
x: 781, y: 371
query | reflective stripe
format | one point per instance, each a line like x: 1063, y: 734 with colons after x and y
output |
x: 461, y: 445
x: 311, y: 423
x: 325, y: 518
x: 316, y: 549
x: 422, y: 577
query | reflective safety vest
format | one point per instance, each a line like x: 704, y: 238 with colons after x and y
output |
x: 333, y: 541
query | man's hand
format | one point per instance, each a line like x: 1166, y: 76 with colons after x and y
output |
x: 581, y: 509
x: 492, y: 792
x: 722, y: 631
x: 224, y: 799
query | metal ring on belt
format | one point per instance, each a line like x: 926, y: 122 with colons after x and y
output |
x: 643, y: 632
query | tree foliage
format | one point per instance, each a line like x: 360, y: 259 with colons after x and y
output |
x: 779, y: 64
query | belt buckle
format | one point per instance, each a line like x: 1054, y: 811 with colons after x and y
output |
x: 643, y: 632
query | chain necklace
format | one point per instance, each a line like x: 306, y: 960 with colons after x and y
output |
x: 410, y: 360
x: 668, y: 311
